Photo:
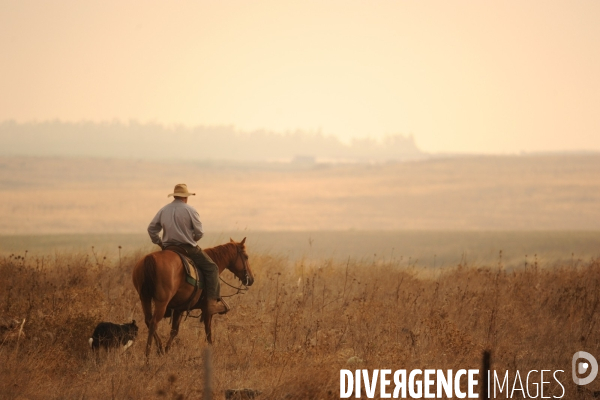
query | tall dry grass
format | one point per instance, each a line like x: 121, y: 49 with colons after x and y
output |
x: 296, y: 328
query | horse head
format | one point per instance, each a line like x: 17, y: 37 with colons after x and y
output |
x: 240, y: 266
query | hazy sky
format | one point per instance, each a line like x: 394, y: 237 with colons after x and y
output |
x: 466, y: 76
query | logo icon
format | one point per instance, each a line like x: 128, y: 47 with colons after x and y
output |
x: 580, y: 367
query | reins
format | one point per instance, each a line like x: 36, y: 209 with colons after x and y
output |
x: 240, y: 290
x: 243, y: 287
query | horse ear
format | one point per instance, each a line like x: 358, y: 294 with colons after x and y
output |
x: 243, y: 241
x: 231, y: 240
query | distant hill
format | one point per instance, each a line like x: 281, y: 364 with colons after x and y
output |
x: 210, y: 143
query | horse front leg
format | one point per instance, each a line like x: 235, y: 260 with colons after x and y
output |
x: 176, y: 320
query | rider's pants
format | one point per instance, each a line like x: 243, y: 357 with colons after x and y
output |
x: 207, y: 266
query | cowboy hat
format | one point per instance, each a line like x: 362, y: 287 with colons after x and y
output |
x: 181, y: 190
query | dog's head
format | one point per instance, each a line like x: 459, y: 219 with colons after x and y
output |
x: 131, y: 329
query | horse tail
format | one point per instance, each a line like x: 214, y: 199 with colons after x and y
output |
x: 148, y: 286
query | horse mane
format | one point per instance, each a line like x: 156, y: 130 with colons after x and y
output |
x: 222, y: 254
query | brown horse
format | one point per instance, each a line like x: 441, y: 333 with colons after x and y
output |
x: 160, y: 277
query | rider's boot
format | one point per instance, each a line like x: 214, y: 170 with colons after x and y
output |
x: 217, y: 306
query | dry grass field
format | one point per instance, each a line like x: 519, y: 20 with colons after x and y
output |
x: 290, y: 335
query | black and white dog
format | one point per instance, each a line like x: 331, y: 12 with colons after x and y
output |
x: 109, y: 335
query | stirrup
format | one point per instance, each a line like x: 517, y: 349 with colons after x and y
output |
x: 227, y: 306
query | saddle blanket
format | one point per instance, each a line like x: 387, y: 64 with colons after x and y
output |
x: 192, y: 275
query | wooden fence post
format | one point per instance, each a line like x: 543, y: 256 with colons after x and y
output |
x: 485, y: 370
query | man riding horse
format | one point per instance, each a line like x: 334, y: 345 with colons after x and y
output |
x: 182, y: 228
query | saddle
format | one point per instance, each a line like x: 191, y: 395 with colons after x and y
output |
x: 192, y: 275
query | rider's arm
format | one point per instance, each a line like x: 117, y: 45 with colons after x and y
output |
x: 197, y: 225
x: 154, y: 228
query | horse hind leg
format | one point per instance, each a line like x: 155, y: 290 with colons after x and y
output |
x: 147, y: 309
x: 176, y: 320
x: 159, y: 346
x: 152, y: 321
x: 159, y: 311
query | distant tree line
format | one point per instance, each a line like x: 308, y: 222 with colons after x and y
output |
x: 201, y: 143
